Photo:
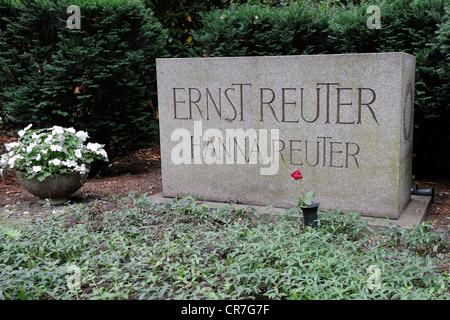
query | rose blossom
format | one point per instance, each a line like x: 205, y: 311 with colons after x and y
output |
x: 297, y: 175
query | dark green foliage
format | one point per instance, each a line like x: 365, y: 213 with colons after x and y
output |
x: 420, y: 28
x: 432, y: 114
x: 183, y: 250
x: 257, y: 30
x: 180, y: 18
x: 100, y: 78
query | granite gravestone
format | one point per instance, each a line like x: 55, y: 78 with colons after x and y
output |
x: 234, y: 129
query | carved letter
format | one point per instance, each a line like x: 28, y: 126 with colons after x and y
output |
x: 175, y: 101
x: 360, y: 104
x: 219, y: 110
x: 232, y: 105
x: 331, y: 154
x: 324, y: 149
x: 317, y: 109
x: 347, y: 153
x: 191, y: 102
x: 242, y: 97
x: 261, y: 90
x: 317, y: 154
x: 283, y: 103
x: 339, y: 104
x: 328, y: 97
x: 291, y: 149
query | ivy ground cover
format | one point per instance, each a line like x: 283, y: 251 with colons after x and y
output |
x: 184, y: 250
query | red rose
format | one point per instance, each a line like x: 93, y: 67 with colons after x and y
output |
x: 297, y: 175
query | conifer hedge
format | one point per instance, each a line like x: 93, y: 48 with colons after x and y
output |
x: 100, y: 78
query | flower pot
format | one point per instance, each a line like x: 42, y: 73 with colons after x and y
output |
x: 57, y: 187
x: 310, y: 215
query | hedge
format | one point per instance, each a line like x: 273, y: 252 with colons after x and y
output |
x: 100, y: 78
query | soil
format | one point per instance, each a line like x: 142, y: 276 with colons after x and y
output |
x: 141, y: 173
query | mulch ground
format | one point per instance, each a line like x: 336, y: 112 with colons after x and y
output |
x: 141, y: 173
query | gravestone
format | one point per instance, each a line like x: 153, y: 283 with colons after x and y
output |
x: 234, y: 129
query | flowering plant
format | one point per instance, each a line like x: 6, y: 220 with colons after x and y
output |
x: 305, y: 198
x: 40, y: 153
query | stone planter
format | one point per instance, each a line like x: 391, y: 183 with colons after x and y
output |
x: 310, y: 215
x: 57, y: 187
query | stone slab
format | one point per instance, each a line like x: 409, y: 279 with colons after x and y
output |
x: 234, y: 129
x: 414, y: 214
x: 22, y: 213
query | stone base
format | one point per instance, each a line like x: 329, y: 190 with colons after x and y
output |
x: 414, y: 214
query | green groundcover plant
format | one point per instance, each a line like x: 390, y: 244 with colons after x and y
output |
x: 41, y: 153
x: 185, y: 250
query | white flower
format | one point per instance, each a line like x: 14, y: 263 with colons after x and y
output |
x: 1, y: 171
x: 44, y: 151
x: 69, y: 163
x: 31, y: 146
x: 71, y: 130
x: 22, y: 132
x: 38, y: 157
x: 57, y: 130
x: 81, y: 169
x: 11, y: 161
x: 48, y: 139
x: 55, y: 148
x: 56, y: 162
x: 82, y: 135
x: 94, y: 146
x: 78, y: 153
x: 37, y: 168
x: 11, y: 145
x: 102, y: 153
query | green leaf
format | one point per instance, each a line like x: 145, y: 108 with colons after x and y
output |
x: 311, y: 194
x: 42, y: 177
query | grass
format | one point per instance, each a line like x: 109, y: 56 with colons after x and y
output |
x: 184, y: 250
